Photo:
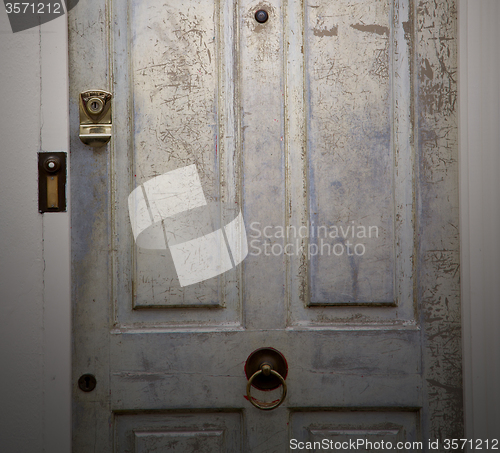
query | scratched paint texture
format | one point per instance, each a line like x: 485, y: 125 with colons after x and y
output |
x: 173, y: 83
x: 179, y: 433
x: 438, y: 254
x: 350, y: 157
x: 181, y: 72
x: 358, y: 157
x: 174, y: 50
x: 89, y: 245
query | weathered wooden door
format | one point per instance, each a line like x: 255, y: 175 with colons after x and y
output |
x: 329, y: 132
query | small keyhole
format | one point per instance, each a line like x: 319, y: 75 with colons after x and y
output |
x: 95, y: 106
x: 87, y: 382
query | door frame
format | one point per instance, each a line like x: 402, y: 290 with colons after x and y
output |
x: 479, y: 142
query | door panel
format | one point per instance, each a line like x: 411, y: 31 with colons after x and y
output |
x: 177, y: 432
x: 316, y: 128
x: 348, y: 428
x: 351, y: 158
x: 327, y: 369
x: 350, y: 154
x: 174, y: 101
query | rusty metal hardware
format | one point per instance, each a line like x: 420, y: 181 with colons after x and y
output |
x: 261, y: 16
x: 95, y: 117
x: 52, y: 182
x: 266, y: 369
x: 87, y: 382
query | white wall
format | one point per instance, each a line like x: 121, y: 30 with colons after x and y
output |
x: 480, y: 213
x: 35, y: 379
x: 34, y: 248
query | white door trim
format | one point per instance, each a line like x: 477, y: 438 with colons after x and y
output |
x: 35, y: 300
x: 54, y: 136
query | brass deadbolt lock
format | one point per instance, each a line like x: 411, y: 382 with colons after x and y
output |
x: 95, y: 117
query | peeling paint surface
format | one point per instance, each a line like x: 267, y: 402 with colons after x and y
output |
x: 438, y: 213
x: 338, y: 114
x: 175, y: 50
x: 350, y: 157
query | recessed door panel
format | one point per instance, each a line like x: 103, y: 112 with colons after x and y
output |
x: 349, y: 69
x: 360, y: 430
x: 177, y: 190
x: 351, y: 229
x: 178, y: 433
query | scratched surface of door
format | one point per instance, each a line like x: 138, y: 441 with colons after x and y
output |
x: 289, y: 184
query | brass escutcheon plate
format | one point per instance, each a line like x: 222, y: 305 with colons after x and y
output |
x: 262, y: 356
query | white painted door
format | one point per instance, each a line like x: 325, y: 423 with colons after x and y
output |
x: 330, y: 129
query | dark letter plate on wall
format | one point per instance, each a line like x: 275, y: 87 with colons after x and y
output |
x: 52, y: 182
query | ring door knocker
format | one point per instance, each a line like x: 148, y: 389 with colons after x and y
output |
x: 266, y: 369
